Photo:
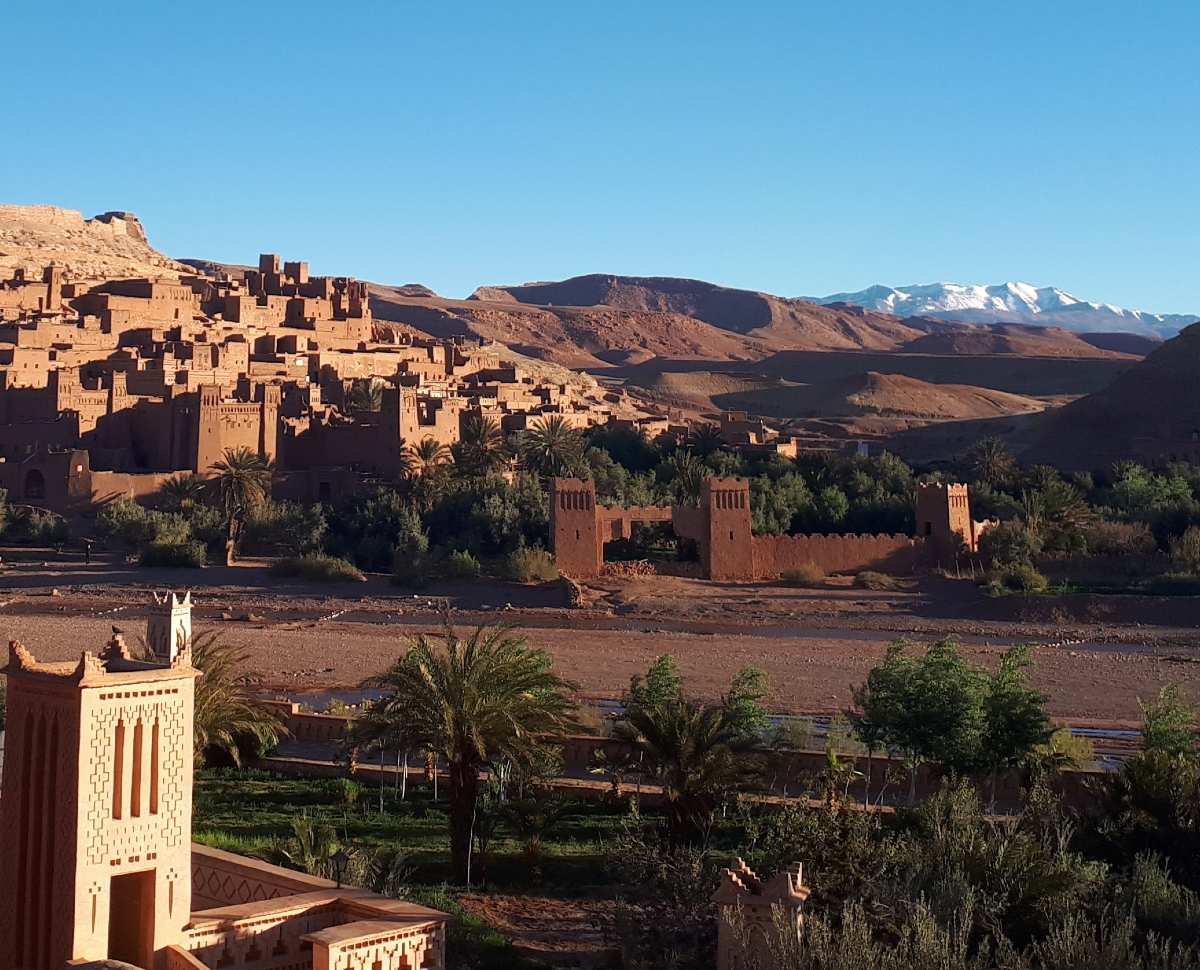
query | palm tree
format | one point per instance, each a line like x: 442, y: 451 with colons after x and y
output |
x: 475, y: 701
x: 242, y: 482
x: 428, y: 456
x: 687, y: 478
x: 366, y: 395
x: 531, y: 819
x: 551, y: 446
x: 481, y: 446
x: 182, y: 493
x: 990, y: 461
x: 699, y: 754
x: 227, y: 719
x: 707, y: 438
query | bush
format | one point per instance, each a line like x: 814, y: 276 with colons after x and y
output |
x: 1009, y: 543
x: 1185, y: 551
x: 1017, y: 578
x: 187, y: 554
x: 1119, y: 539
x: 318, y: 569
x: 869, y: 579
x: 460, y: 564
x: 804, y: 577
x: 530, y: 566
x: 36, y: 527
x: 412, y: 569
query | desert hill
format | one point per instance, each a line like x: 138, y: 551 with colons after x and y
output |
x: 111, y: 245
x: 1150, y: 411
x: 1024, y: 341
x: 779, y: 322
x: 881, y: 395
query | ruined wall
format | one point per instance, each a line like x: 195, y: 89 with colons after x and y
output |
x: 776, y: 555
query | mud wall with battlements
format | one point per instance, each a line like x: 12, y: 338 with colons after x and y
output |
x: 898, y: 554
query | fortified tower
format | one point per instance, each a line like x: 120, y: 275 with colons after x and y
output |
x: 728, y: 550
x: 575, y: 528
x: 96, y: 815
x: 944, y: 519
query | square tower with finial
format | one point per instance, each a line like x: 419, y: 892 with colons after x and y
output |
x: 169, y: 626
x: 95, y: 818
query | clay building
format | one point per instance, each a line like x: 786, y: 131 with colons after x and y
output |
x: 95, y: 828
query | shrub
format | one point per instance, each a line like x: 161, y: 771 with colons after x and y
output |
x: 530, y: 566
x: 186, y: 554
x: 460, y: 564
x: 869, y: 579
x: 125, y: 522
x: 1017, y: 578
x: 412, y: 569
x: 1119, y: 539
x: 1009, y: 543
x: 804, y: 577
x: 36, y: 527
x: 318, y: 569
x: 1185, y: 551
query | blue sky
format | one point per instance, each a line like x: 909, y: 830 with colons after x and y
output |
x: 797, y: 148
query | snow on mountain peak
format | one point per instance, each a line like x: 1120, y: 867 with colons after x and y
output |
x: 1012, y: 302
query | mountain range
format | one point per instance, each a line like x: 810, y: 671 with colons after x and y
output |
x: 1011, y: 303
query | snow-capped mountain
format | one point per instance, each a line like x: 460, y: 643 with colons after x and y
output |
x: 1045, y: 306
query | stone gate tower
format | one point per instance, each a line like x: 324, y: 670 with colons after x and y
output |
x: 96, y: 815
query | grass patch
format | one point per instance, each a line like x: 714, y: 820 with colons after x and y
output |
x: 318, y: 569
x: 803, y: 577
x: 530, y: 566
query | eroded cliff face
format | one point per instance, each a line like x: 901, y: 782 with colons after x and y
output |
x: 112, y: 245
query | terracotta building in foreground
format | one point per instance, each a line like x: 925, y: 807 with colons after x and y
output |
x: 95, y: 831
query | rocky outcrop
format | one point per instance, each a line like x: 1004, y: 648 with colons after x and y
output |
x: 113, y: 245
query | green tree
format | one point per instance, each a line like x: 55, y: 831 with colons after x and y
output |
x: 990, y: 461
x: 747, y: 691
x: 661, y: 684
x: 1169, y: 724
x: 241, y: 482
x: 1015, y: 717
x: 698, y: 754
x: 228, y: 719
x: 687, y: 475
x: 551, y: 447
x: 481, y: 447
x: 482, y: 699
x: 531, y: 818
x: 930, y: 708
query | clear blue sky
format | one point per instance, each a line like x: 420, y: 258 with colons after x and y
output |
x: 798, y: 148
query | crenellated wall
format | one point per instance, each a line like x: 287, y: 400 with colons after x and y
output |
x: 897, y: 554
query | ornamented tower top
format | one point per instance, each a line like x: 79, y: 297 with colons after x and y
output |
x: 169, y: 627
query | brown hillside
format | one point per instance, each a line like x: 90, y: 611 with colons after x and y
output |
x: 1149, y: 412
x: 780, y: 322
x: 575, y: 336
x: 1010, y: 339
x: 881, y: 395
x: 112, y: 245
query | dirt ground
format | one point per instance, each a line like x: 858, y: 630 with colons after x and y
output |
x: 814, y: 644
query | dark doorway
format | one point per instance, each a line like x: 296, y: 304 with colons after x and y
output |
x: 131, y: 919
x: 35, y: 484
